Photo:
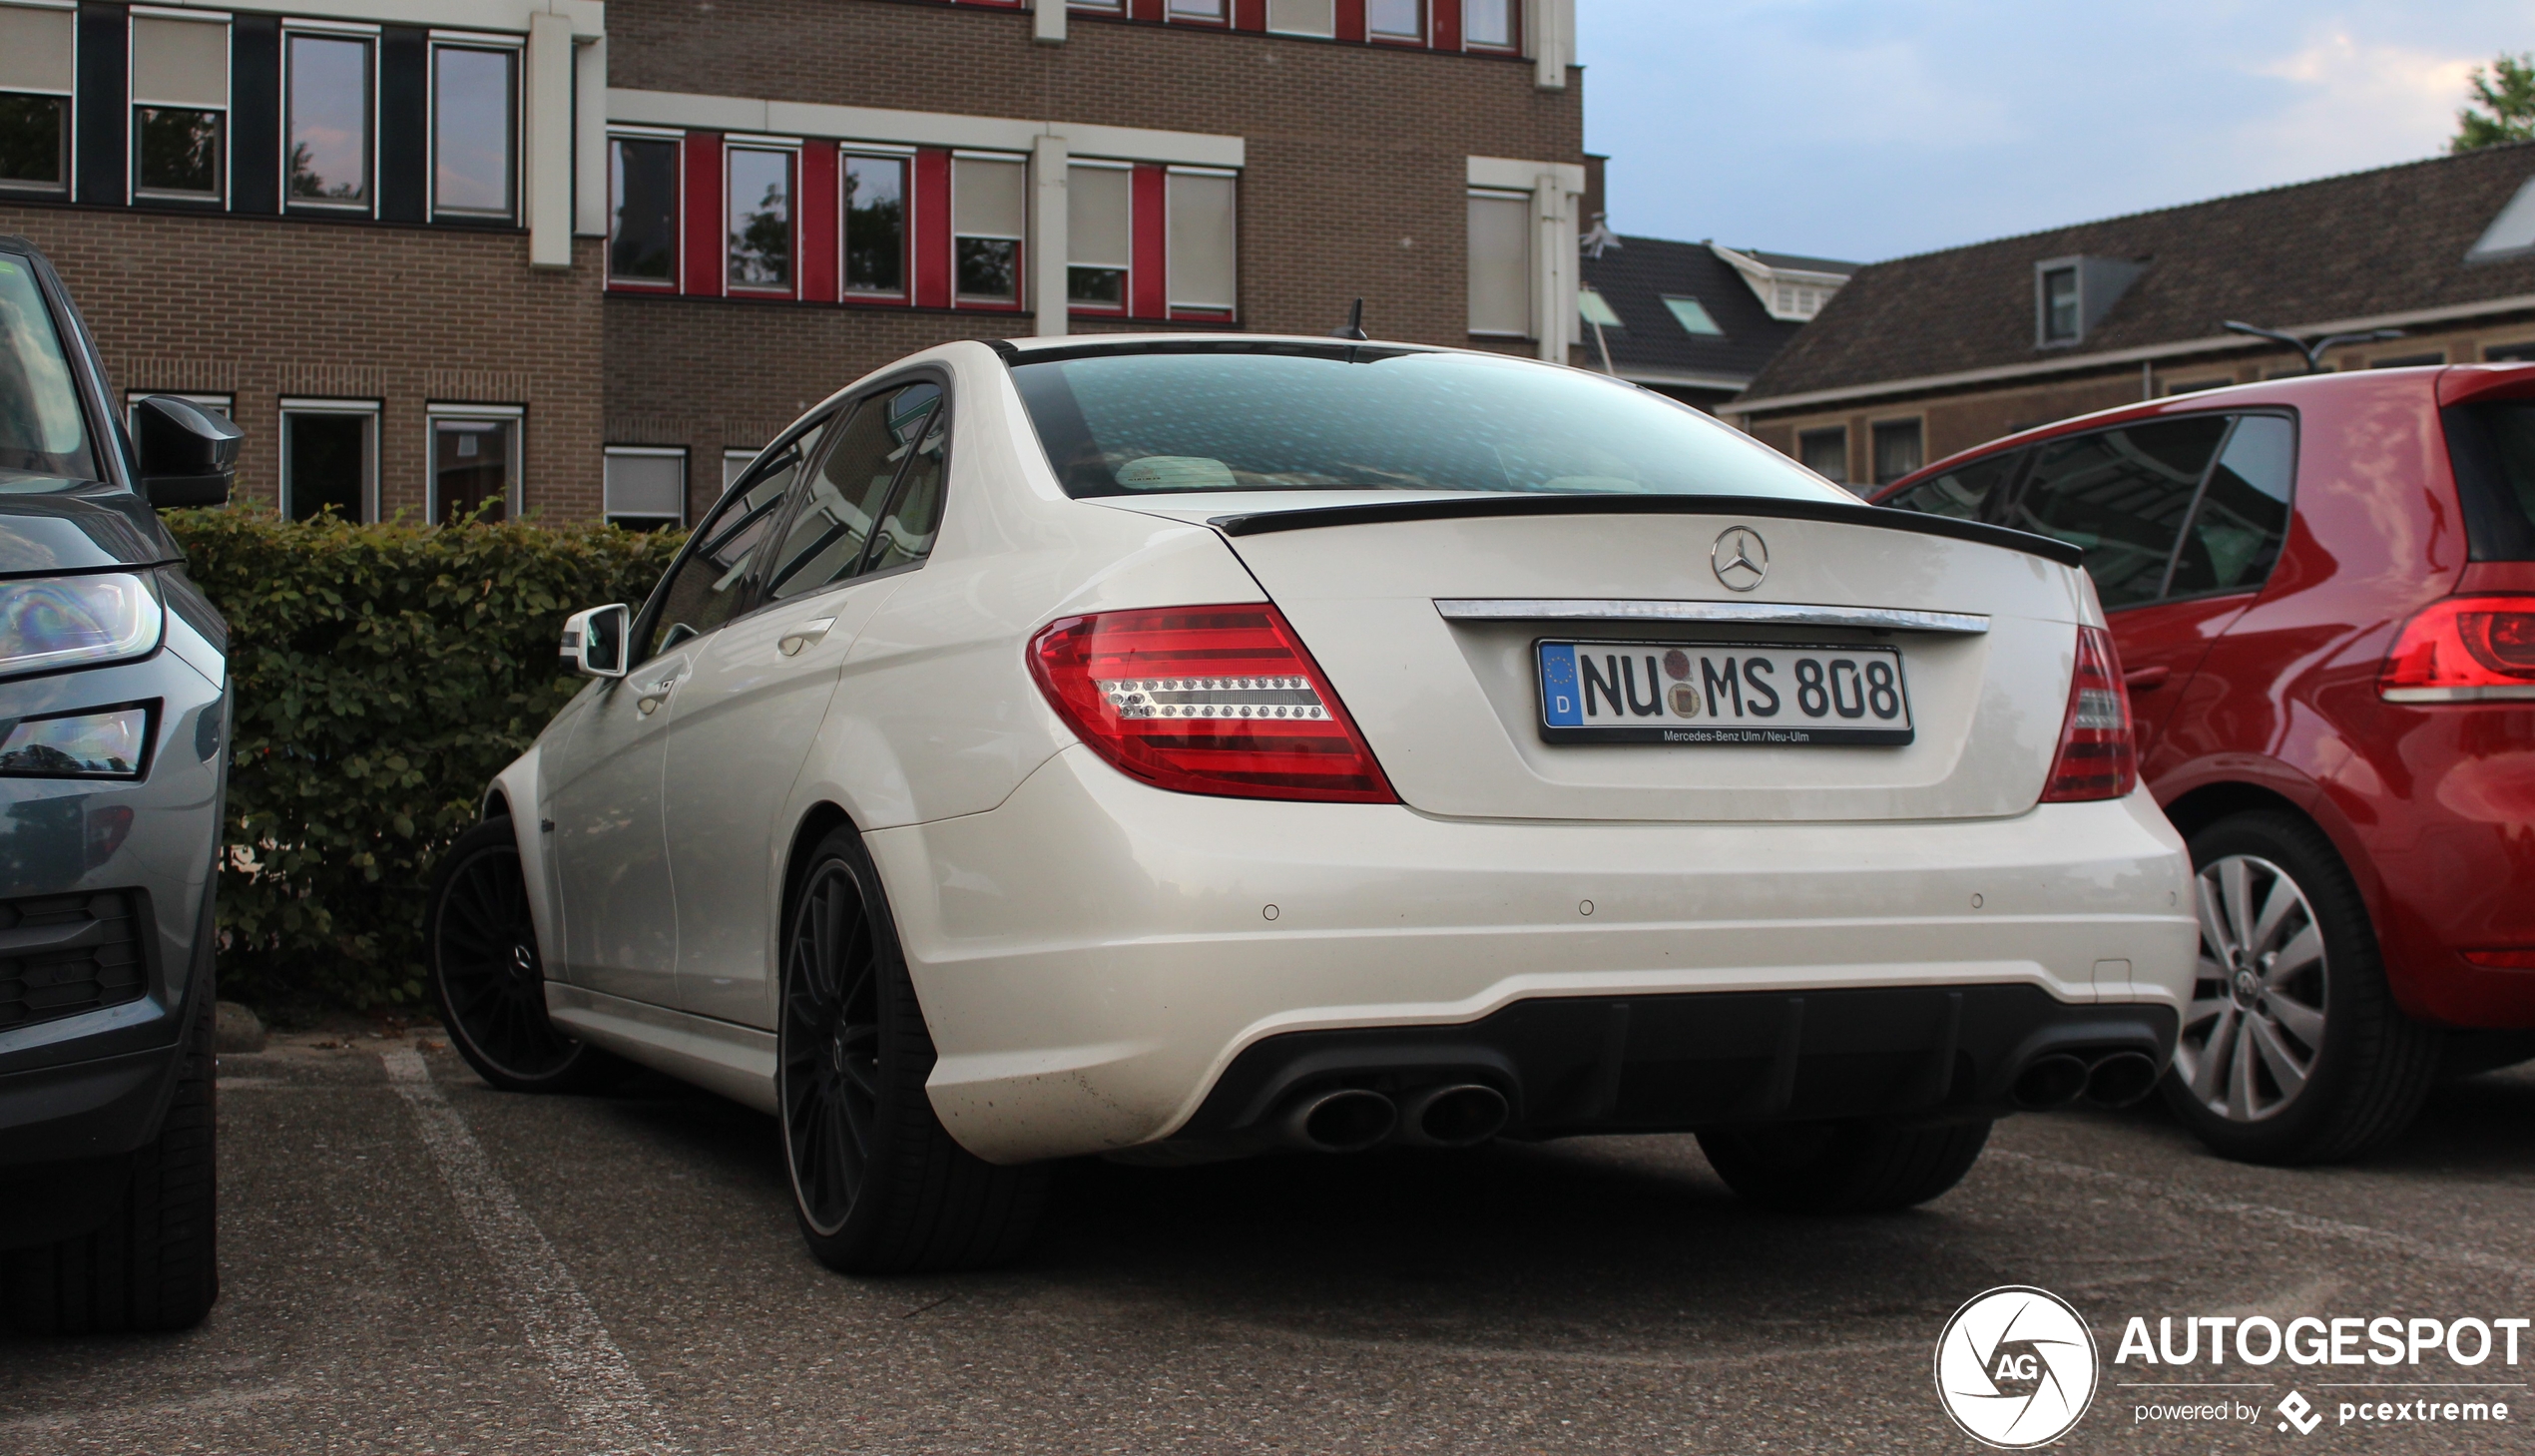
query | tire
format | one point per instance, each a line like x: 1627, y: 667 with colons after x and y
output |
x: 878, y: 1186
x: 480, y: 952
x: 153, y: 1266
x: 2293, y: 1050
x: 1843, y: 1168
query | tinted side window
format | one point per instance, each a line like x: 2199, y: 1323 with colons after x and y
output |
x: 2492, y: 447
x: 2243, y: 516
x: 2121, y: 496
x: 1962, y: 492
x: 914, y: 515
x: 704, y: 589
x: 849, y: 492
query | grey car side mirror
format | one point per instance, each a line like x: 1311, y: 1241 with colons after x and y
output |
x: 594, y: 640
x: 189, y: 456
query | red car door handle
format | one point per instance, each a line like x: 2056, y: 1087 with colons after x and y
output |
x: 2144, y: 679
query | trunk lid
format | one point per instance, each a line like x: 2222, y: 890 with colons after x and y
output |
x: 1426, y: 614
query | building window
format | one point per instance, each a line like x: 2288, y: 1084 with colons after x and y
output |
x: 180, y: 109
x: 1693, y: 316
x: 474, y: 133
x: 2509, y: 353
x: 1099, y: 230
x: 989, y: 210
x: 1304, y: 17
x: 759, y: 191
x: 37, y: 77
x: 2194, y: 386
x: 875, y: 225
x: 1396, y: 20
x: 1201, y: 10
x: 643, y: 487
x: 1204, y: 241
x: 1597, y: 310
x: 1488, y: 24
x: 219, y: 404
x: 735, y: 463
x: 643, y: 210
x: 327, y: 98
x: 2059, y: 306
x: 2408, y: 361
x: 329, y: 458
x: 474, y: 461
x: 1501, y: 263
x: 1825, y: 452
x: 1896, y: 449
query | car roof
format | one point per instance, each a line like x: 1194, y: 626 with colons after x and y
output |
x: 2447, y: 382
x: 1083, y: 346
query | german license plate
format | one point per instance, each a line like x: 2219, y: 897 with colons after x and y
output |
x: 1769, y: 694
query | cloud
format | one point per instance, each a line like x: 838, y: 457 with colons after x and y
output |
x: 2355, y: 103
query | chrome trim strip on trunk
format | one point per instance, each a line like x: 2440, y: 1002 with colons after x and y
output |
x: 1740, y: 614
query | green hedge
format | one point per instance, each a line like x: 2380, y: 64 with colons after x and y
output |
x: 383, y: 674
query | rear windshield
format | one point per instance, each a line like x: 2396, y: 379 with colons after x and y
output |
x: 2493, y: 449
x: 43, y: 439
x: 1122, y: 424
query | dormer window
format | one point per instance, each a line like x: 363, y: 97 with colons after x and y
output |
x: 2059, y: 306
x: 2072, y: 294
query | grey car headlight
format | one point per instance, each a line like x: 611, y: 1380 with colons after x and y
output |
x: 103, y: 742
x: 60, y: 622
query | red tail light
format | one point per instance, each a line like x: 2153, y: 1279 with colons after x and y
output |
x: 1207, y: 699
x: 2098, y: 758
x: 2462, y: 650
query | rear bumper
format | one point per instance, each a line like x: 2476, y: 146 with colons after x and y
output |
x: 1094, y: 955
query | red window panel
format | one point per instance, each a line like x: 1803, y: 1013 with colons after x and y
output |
x: 1144, y: 9
x: 1443, y: 21
x: 1149, y: 291
x: 1351, y: 20
x: 1250, y: 14
x: 820, y: 222
x: 705, y: 245
x: 933, y: 242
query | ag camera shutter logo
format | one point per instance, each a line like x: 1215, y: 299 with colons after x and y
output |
x: 2016, y: 1367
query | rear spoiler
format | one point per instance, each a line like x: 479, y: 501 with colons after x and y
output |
x: 1456, y: 507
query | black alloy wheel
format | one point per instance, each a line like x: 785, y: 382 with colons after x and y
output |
x: 486, y: 977
x: 878, y: 1184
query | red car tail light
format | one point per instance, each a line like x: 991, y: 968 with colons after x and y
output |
x: 2098, y: 757
x: 2463, y: 649
x: 1207, y: 699
x: 2503, y: 960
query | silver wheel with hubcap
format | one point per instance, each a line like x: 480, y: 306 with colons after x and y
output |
x: 2254, y: 1029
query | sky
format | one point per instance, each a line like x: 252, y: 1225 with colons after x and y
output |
x: 1874, y: 129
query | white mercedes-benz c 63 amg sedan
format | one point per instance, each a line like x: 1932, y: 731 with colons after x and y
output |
x: 1181, y: 747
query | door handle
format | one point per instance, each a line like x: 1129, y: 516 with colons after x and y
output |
x: 2146, y: 679
x: 655, y: 695
x: 803, y: 636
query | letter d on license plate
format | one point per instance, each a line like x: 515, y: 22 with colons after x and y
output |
x: 1768, y: 694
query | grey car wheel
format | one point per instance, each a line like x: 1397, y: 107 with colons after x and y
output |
x: 2255, y: 1024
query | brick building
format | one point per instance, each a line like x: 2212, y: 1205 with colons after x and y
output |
x: 1923, y: 357
x: 574, y: 255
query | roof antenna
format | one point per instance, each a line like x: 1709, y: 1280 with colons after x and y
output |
x: 1353, y: 328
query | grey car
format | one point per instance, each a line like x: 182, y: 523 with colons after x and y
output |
x: 113, y: 729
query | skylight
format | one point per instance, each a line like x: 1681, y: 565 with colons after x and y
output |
x: 1596, y: 308
x: 1693, y: 316
x: 2513, y: 232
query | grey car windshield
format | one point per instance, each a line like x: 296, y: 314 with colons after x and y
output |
x: 43, y: 437
x: 1342, y: 419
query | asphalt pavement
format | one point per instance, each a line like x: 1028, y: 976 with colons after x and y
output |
x: 414, y: 1262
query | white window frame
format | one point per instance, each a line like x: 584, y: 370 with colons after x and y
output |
x: 1022, y: 252
x: 342, y: 31
x: 1221, y: 19
x: 472, y: 39
x: 1425, y: 33
x: 131, y: 105
x: 291, y: 405
x: 224, y: 405
x: 70, y: 112
x: 908, y: 247
x: 676, y: 139
x: 517, y: 414
x: 1530, y: 263
x: 1171, y: 302
x: 791, y: 288
x: 1125, y: 304
x: 685, y: 479
x: 1513, y: 24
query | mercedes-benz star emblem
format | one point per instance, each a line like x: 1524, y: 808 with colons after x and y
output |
x: 1741, y: 558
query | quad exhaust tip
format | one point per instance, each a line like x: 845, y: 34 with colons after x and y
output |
x: 1347, y: 1119
x: 2121, y: 1079
x: 1461, y: 1115
x: 2048, y: 1082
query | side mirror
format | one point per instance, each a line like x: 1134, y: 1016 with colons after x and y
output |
x: 189, y: 456
x: 594, y: 640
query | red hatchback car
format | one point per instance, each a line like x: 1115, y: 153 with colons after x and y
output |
x: 2324, y: 594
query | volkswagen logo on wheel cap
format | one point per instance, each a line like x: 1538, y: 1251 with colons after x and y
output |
x: 1740, y: 557
x: 2016, y: 1367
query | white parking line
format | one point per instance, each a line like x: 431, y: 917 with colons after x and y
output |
x: 594, y: 1382
x: 2383, y: 1241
